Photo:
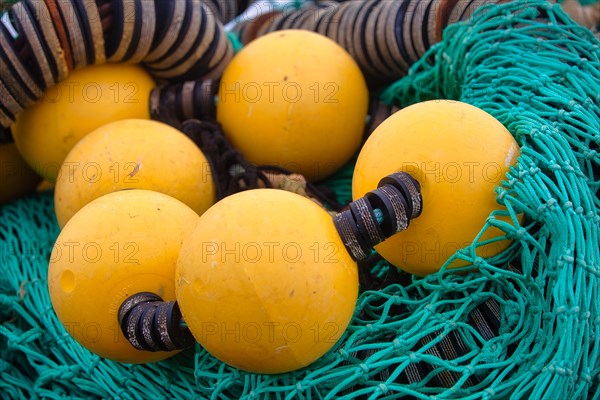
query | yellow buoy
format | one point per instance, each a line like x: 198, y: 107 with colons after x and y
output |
x: 120, y: 244
x: 294, y: 99
x: 459, y: 154
x: 265, y: 283
x: 17, y: 179
x: 89, y: 98
x: 133, y: 154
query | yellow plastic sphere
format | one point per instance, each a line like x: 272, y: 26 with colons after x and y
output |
x: 294, y: 99
x: 133, y: 154
x: 89, y: 98
x: 119, y: 245
x: 459, y: 154
x: 17, y: 179
x: 264, y: 282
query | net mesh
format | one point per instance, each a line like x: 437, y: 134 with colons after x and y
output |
x: 531, y: 67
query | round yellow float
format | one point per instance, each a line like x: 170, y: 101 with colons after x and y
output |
x: 120, y: 244
x: 294, y: 99
x: 272, y: 288
x: 459, y: 154
x: 133, y: 154
x: 88, y: 98
x: 17, y: 179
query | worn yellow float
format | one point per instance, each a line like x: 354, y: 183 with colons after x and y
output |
x: 17, y: 179
x: 294, y: 99
x: 458, y: 153
x: 89, y: 98
x: 133, y: 154
x: 120, y: 244
x: 272, y: 288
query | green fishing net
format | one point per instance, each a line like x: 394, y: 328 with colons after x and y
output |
x: 536, y: 71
